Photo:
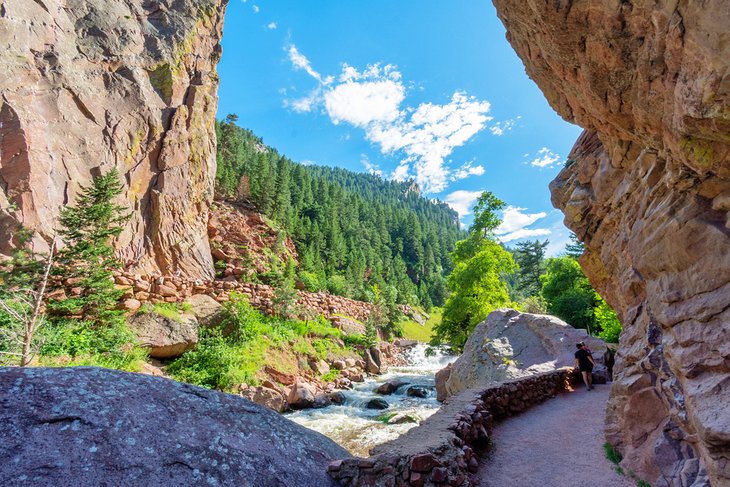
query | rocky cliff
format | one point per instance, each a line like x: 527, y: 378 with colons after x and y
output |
x: 89, y: 85
x: 647, y: 188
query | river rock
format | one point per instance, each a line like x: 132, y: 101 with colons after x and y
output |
x: 319, y: 367
x: 377, y: 403
x: 337, y: 397
x: 264, y: 396
x: 390, y: 387
x: 646, y: 187
x: 207, y: 310
x: 302, y: 395
x: 405, y: 343
x: 402, y: 418
x: 510, y: 344
x: 165, y: 337
x: 417, y: 391
x: 91, y: 426
x: 442, y: 376
x: 373, y: 361
x: 102, y: 84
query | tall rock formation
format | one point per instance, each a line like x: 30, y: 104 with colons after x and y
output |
x: 88, y: 85
x: 647, y: 188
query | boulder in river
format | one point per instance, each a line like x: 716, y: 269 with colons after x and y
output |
x: 92, y: 426
x: 302, y: 395
x: 417, y: 391
x: 377, y: 403
x: 390, y: 387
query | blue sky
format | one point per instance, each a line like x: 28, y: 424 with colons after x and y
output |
x: 421, y: 89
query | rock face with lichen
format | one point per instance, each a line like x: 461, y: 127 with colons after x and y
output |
x: 91, y: 426
x: 90, y: 85
x: 647, y: 188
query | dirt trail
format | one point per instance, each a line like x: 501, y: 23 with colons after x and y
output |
x: 556, y: 444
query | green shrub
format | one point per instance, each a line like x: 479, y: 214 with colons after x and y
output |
x: 111, y: 344
x: 331, y: 376
x: 311, y: 281
x: 337, y: 285
x: 535, y: 305
x: 219, y: 364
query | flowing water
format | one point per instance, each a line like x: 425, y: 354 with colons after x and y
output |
x: 357, y: 428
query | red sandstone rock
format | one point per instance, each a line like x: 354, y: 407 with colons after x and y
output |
x: 646, y: 189
x: 140, y: 97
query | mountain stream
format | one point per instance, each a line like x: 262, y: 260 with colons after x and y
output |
x: 357, y: 428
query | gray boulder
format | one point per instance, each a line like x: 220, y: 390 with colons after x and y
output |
x: 165, y: 337
x: 88, y: 426
x: 510, y: 344
x: 207, y: 310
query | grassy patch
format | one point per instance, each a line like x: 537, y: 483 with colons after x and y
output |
x: 642, y: 483
x: 421, y: 333
x: 613, y: 456
x: 331, y: 376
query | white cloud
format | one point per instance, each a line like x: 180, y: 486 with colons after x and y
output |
x: 499, y: 128
x: 371, y: 168
x: 515, y: 222
x: 467, y: 170
x: 462, y: 201
x: 545, y: 158
x: 362, y: 100
x: 402, y: 172
x: 256, y: 9
x: 372, y: 99
x: 271, y: 25
x: 300, y: 61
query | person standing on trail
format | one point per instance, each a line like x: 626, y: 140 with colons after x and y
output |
x: 584, y: 362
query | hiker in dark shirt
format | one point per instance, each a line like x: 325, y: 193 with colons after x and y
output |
x: 584, y: 362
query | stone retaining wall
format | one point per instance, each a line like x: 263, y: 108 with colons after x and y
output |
x: 440, y: 451
x: 173, y: 289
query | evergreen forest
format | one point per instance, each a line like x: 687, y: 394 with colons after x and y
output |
x: 356, y: 234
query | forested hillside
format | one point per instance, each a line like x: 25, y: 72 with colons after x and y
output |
x: 356, y: 234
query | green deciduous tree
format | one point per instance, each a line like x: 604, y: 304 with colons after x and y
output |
x: 568, y: 292
x: 478, y: 280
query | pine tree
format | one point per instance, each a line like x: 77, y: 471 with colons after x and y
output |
x: 87, y: 229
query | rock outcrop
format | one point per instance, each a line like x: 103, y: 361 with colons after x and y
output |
x: 90, y: 426
x: 510, y: 344
x: 647, y: 188
x: 165, y: 336
x: 90, y: 85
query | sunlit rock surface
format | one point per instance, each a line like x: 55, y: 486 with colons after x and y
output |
x: 647, y: 187
x: 89, y: 85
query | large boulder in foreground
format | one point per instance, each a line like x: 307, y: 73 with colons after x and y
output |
x: 510, y: 344
x: 647, y: 189
x: 89, y: 426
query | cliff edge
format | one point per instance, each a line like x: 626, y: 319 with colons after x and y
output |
x: 647, y: 188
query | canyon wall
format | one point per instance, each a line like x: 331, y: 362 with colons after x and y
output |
x: 91, y: 85
x: 647, y: 188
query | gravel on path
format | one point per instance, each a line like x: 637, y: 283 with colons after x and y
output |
x: 556, y: 444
